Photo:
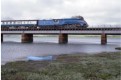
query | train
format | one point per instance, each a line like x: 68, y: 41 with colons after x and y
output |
x: 66, y: 23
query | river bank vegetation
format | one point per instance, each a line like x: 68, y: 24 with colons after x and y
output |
x: 102, y: 66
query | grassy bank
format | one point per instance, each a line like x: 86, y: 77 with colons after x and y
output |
x: 103, y: 66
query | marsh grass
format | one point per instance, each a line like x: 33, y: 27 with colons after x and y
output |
x: 103, y: 66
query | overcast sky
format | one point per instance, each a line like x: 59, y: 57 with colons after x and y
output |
x: 94, y: 11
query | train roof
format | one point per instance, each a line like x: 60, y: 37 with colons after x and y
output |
x: 16, y: 20
x: 74, y: 18
x: 64, y: 19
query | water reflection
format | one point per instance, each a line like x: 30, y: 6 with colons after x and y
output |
x: 12, y: 49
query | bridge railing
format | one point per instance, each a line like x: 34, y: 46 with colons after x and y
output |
x: 105, y: 26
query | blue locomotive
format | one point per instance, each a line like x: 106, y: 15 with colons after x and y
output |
x: 67, y: 22
x: 74, y: 22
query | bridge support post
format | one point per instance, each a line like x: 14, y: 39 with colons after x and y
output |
x: 27, y: 38
x: 63, y: 38
x: 1, y: 37
x: 103, y: 39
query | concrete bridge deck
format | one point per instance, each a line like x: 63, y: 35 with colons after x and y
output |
x: 27, y: 34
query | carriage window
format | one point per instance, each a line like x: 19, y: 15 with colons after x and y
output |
x: 2, y: 22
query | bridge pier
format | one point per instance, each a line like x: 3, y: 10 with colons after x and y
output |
x: 63, y: 38
x: 1, y: 37
x: 27, y: 38
x: 103, y: 39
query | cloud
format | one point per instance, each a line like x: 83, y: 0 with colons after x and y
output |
x: 94, y: 11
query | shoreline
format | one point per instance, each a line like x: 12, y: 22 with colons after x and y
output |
x: 56, y: 55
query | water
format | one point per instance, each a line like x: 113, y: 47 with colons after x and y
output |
x: 13, y: 50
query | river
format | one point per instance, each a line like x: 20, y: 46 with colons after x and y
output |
x: 13, y: 50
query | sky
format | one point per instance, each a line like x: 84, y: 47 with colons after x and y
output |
x: 95, y: 12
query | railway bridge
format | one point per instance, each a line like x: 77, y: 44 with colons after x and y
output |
x: 27, y: 33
